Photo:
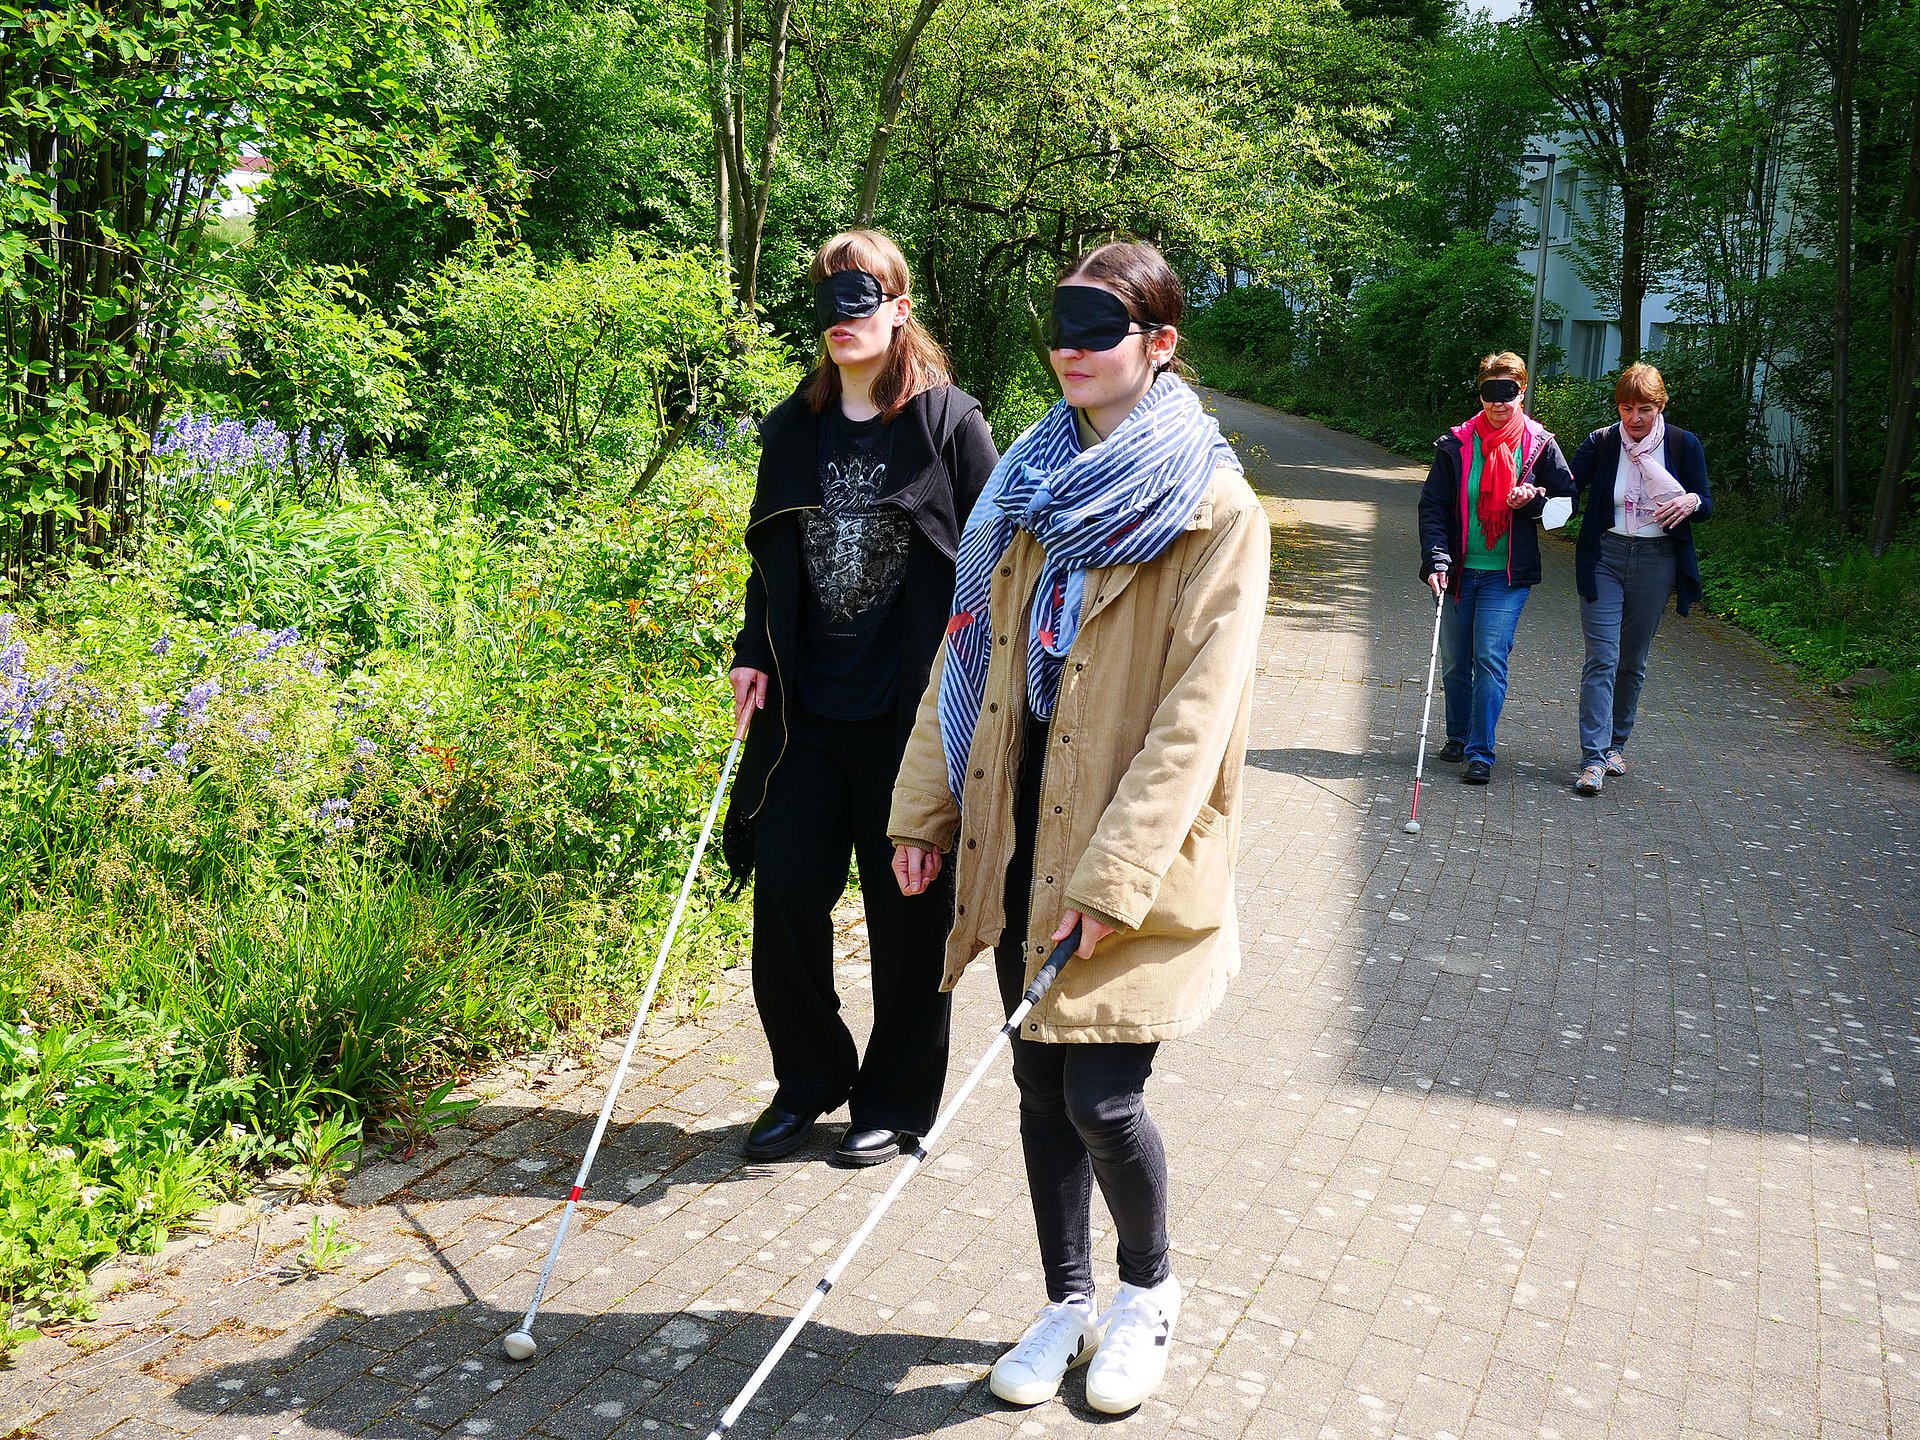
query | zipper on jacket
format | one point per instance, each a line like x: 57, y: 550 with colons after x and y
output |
x: 773, y: 650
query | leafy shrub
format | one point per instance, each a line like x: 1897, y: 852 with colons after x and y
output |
x: 1825, y: 601
x: 1422, y: 332
x: 113, y: 1134
x: 1254, y: 322
x: 554, y: 374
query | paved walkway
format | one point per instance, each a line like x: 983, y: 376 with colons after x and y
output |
x: 1564, y: 1118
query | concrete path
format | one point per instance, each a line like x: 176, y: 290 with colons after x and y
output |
x: 1564, y: 1118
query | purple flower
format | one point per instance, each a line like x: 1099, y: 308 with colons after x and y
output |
x: 106, y: 784
x: 276, y: 642
x: 58, y: 739
x: 151, y: 717
x: 364, y: 747
x: 195, y: 704
x: 335, y: 806
x: 177, y: 752
x: 245, y: 627
x: 143, y: 775
x: 162, y: 645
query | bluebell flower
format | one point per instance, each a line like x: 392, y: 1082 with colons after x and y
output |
x: 177, y: 752
x: 152, y: 716
x: 363, y: 746
x: 143, y: 775
x: 195, y: 703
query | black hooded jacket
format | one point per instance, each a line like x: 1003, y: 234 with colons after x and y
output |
x: 941, y: 457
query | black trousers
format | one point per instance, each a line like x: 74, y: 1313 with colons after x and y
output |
x: 827, y: 801
x: 1083, y: 1108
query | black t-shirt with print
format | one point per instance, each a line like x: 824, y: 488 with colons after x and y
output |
x: 856, y: 559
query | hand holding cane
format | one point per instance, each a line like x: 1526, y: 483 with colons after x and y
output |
x: 1042, y: 982
x: 1439, y: 574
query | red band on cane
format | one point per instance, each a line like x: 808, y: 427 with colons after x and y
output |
x: 576, y: 1194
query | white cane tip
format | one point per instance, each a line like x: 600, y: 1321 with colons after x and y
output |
x: 518, y: 1346
x: 1412, y: 827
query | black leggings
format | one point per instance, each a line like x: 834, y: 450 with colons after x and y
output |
x: 1083, y: 1111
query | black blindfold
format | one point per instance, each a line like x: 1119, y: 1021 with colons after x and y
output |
x: 847, y: 295
x: 1499, y: 390
x: 1085, y: 317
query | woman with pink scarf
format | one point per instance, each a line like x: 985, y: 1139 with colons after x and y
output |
x: 1657, y: 474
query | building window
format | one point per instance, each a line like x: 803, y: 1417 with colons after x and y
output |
x: 1550, y: 341
x: 1587, y: 355
x: 1566, y: 203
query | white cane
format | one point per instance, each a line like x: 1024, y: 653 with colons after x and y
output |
x: 1042, y: 982
x: 519, y: 1344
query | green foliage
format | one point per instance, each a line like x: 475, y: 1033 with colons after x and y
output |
x: 114, y: 1133
x: 1420, y: 334
x: 110, y: 177
x: 1828, y: 604
x: 307, y: 346
x: 553, y: 375
x: 323, y: 1250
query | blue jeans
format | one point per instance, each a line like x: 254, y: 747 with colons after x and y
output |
x: 1475, y: 639
x: 1631, y: 583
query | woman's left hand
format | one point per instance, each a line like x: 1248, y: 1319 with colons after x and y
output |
x: 1523, y: 495
x: 1671, y: 512
x: 1092, y: 932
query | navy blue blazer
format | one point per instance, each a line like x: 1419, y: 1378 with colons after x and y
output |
x: 1596, y: 463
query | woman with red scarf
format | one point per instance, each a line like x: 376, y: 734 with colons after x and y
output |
x: 1480, y: 546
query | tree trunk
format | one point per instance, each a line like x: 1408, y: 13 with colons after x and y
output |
x: 1846, y: 55
x: 1633, y: 271
x: 756, y: 219
x: 1891, y: 497
x: 893, y: 89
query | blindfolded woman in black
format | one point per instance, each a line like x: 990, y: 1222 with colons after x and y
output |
x: 867, y: 474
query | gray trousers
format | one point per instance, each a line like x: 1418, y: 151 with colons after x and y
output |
x: 1632, y: 581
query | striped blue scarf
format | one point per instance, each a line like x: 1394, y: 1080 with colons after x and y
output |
x: 1120, y: 503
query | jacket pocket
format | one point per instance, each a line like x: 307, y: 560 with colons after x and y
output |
x: 1197, y: 887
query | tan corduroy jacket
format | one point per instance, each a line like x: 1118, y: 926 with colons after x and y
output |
x: 1140, y: 796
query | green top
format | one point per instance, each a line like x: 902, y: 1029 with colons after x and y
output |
x: 1481, y: 555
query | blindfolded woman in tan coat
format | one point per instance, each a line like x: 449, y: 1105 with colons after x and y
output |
x: 1077, y: 762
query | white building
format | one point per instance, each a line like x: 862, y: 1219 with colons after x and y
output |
x: 1585, y: 329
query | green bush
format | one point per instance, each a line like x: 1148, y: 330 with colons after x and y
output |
x: 552, y: 376
x: 1825, y: 602
x: 1420, y: 333
x: 114, y: 1132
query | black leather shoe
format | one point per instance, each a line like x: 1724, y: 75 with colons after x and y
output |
x: 1453, y: 752
x: 777, y: 1132
x: 872, y: 1147
x: 1478, y: 772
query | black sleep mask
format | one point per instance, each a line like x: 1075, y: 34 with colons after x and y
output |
x: 1085, y: 317
x: 847, y: 295
x: 1499, y: 390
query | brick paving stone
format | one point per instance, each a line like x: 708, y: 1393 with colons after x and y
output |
x: 1565, y: 1117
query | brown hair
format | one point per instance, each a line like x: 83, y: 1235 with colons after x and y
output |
x: 1503, y: 362
x: 1638, y: 384
x: 914, y: 362
x: 1139, y: 274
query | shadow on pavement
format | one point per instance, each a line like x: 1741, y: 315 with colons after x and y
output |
x: 626, y: 1372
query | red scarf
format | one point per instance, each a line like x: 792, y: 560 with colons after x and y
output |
x: 1496, y: 471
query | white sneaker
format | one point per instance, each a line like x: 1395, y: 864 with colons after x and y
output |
x: 1062, y: 1336
x: 1132, y: 1360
